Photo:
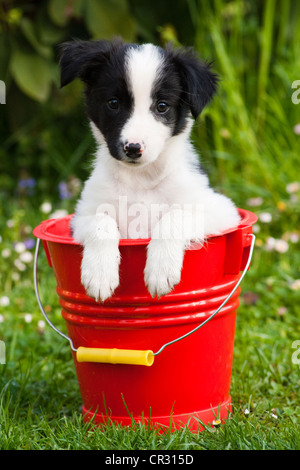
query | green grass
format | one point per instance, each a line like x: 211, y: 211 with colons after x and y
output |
x: 249, y: 149
x: 40, y: 402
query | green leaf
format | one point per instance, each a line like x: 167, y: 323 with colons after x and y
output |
x: 32, y: 74
x: 112, y: 17
x: 4, y: 54
x: 78, y: 7
x: 29, y: 31
x: 47, y: 32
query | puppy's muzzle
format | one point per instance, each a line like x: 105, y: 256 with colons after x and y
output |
x: 133, y: 150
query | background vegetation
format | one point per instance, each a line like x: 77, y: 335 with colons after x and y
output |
x: 249, y: 141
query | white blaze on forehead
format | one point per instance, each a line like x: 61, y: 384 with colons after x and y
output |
x: 143, y: 67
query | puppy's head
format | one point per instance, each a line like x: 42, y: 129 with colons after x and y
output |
x: 137, y: 97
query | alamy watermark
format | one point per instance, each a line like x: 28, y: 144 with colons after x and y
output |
x: 2, y: 353
x: 2, y: 92
x: 296, y: 94
x: 158, y: 221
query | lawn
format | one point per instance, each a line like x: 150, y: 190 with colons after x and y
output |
x: 40, y: 401
x: 250, y: 145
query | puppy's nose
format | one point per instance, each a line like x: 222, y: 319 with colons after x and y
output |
x: 133, y: 150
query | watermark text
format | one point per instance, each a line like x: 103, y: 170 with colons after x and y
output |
x: 296, y: 354
x: 296, y: 94
x: 158, y: 221
x: 2, y: 353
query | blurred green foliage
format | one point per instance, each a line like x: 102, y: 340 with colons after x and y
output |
x: 247, y: 130
x: 43, y: 131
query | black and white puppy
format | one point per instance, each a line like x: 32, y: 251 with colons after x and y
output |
x: 146, y: 182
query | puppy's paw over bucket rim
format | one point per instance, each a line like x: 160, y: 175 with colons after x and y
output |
x: 132, y: 329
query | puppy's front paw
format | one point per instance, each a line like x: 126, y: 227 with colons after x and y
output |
x: 100, y: 272
x: 163, y: 267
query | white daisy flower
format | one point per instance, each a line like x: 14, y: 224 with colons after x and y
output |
x: 28, y: 317
x: 6, y: 253
x: 281, y: 246
x: 265, y: 217
x: 26, y: 257
x: 4, y: 301
x: 46, y: 207
x: 20, y: 247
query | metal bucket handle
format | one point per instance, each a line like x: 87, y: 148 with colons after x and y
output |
x: 127, y: 356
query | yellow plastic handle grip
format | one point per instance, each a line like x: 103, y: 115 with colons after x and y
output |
x: 115, y: 356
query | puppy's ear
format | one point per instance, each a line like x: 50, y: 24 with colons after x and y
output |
x: 78, y: 58
x: 198, y: 81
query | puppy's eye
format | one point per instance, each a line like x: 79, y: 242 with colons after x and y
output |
x: 162, y: 107
x: 113, y: 103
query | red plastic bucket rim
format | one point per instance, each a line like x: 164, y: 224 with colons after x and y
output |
x: 58, y: 230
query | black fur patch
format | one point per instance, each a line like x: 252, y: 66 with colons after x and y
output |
x: 101, y: 66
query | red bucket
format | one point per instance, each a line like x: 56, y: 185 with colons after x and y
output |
x: 187, y: 381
